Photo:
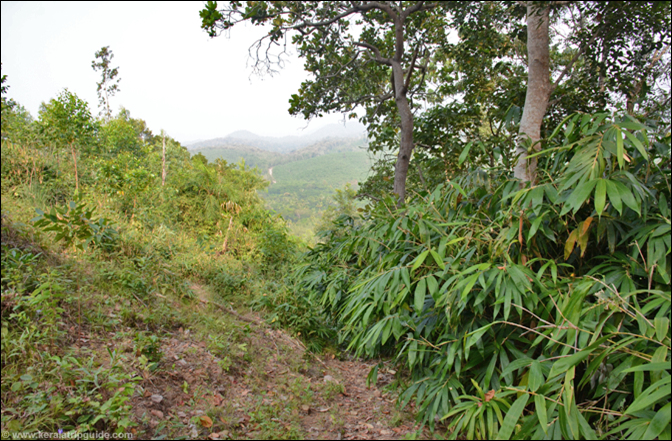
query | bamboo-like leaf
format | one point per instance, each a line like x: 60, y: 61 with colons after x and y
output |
x: 651, y: 395
x: 600, y: 196
x: 540, y: 407
x: 659, y: 423
x: 536, y: 378
x: 569, y: 245
x: 476, y: 335
x: 662, y: 325
x: 620, y: 152
x: 562, y: 366
x: 420, y: 291
x: 465, y: 153
x: 438, y: 259
x: 512, y: 417
x: 419, y: 260
x: 637, y: 143
x: 580, y: 195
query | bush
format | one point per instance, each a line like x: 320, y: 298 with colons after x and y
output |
x: 543, y: 310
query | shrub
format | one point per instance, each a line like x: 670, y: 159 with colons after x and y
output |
x: 543, y: 310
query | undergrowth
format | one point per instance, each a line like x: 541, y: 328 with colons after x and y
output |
x: 530, y: 312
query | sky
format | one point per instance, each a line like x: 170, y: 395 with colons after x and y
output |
x: 173, y: 75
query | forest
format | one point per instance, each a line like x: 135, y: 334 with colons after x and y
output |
x: 502, y: 273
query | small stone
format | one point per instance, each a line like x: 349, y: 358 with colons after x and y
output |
x: 328, y: 378
x: 376, y: 393
x: 386, y: 432
x: 181, y: 414
x: 156, y: 398
x: 157, y: 413
x: 305, y: 408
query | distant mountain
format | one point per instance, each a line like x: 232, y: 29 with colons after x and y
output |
x: 285, y: 144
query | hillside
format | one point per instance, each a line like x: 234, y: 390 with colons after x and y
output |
x: 303, y: 189
x: 303, y: 180
x: 284, y: 144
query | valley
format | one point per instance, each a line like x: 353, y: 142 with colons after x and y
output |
x: 303, y: 172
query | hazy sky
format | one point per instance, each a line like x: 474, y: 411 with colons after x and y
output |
x: 172, y: 74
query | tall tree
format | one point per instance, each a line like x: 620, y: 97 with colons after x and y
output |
x: 109, y: 83
x: 67, y: 121
x: 616, y: 41
x: 359, y: 53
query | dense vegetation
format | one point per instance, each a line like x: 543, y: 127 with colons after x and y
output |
x: 303, y: 181
x: 553, y: 298
x: 533, y: 307
x: 101, y: 264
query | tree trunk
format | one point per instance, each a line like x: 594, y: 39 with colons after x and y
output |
x: 538, y: 90
x: 74, y: 159
x: 406, y: 146
x: 399, y: 87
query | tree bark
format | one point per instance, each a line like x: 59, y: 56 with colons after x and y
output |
x: 406, y: 145
x: 74, y: 159
x: 538, y: 91
x: 400, y: 87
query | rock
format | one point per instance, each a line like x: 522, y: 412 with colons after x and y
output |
x: 181, y: 414
x: 376, y: 393
x: 157, y: 413
x: 386, y: 432
x: 328, y: 378
x: 156, y: 398
x: 305, y: 408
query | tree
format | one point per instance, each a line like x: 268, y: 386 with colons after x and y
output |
x: 109, y: 83
x: 67, y: 121
x: 359, y: 53
x: 639, y: 30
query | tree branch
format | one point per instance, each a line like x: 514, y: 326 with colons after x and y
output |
x: 569, y: 66
x: 376, y: 52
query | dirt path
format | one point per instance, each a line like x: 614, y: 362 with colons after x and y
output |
x: 252, y: 381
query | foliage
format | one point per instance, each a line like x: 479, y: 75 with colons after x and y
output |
x: 76, y: 225
x: 543, y: 310
x: 67, y: 120
x: 109, y: 83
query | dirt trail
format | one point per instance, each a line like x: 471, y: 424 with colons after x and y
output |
x: 263, y: 385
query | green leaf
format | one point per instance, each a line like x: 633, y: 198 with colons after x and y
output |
x: 580, y: 195
x: 562, y: 366
x: 465, y: 153
x: 476, y: 335
x: 637, y: 144
x: 614, y: 196
x: 419, y: 260
x: 659, y: 423
x: 627, y: 196
x: 651, y: 395
x: 536, y: 378
x: 648, y: 367
x: 512, y: 417
x: 619, y: 147
x: 438, y: 259
x: 540, y: 406
x: 600, y: 196
x: 662, y: 326
x: 420, y: 290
